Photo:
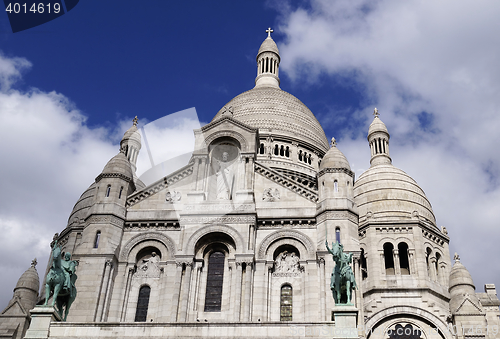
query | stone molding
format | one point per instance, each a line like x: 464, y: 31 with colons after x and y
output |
x: 112, y: 175
x: 160, y: 185
x: 164, y: 239
x: 416, y: 312
x: 218, y: 207
x: 196, y: 236
x: 280, y: 179
x: 232, y: 134
x: 337, y: 215
x: 218, y: 220
x: 107, y: 219
x: 336, y: 170
x: 299, y: 236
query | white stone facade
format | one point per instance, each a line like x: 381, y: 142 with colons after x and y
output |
x: 262, y: 192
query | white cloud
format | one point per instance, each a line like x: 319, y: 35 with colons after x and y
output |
x: 49, y: 157
x: 437, y: 57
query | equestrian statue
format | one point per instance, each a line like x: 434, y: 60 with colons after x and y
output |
x: 60, y: 281
x: 342, y: 276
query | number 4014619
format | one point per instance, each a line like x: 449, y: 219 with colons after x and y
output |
x: 35, y: 8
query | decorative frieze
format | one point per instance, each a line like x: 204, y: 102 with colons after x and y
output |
x: 227, y: 207
x: 271, y: 194
x: 218, y: 220
x: 337, y: 215
x: 105, y: 219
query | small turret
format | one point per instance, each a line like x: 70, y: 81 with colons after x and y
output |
x: 378, y: 139
x: 27, y: 287
x: 268, y: 62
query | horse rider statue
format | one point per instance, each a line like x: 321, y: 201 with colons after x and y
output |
x: 342, y: 276
x: 60, y: 281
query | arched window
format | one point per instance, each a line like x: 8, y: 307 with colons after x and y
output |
x: 309, y: 159
x: 141, y: 311
x: 120, y: 195
x: 286, y: 303
x: 389, y: 258
x: 276, y: 150
x: 261, y: 150
x: 108, y: 191
x: 267, y: 65
x: 404, y: 263
x: 300, y: 155
x: 364, y: 271
x: 282, y: 150
x: 287, y: 152
x: 215, y: 277
x: 97, y: 238
x: 335, y: 186
x: 337, y: 234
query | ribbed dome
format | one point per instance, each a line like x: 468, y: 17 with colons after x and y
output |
x: 386, y: 193
x: 132, y: 133
x: 29, y: 280
x: 119, y: 165
x: 377, y: 126
x: 268, y: 46
x: 274, y: 111
x: 82, y: 206
x: 460, y: 276
x: 334, y: 158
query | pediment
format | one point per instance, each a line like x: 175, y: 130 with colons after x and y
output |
x: 468, y: 307
x: 14, y: 308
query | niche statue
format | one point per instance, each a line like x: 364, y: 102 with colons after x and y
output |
x: 60, y: 281
x: 342, y: 276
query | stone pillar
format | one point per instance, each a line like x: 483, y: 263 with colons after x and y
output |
x: 248, y: 283
x: 397, y: 265
x: 237, y: 294
x: 202, y: 175
x: 104, y: 291
x: 322, y: 282
x: 126, y: 294
x: 193, y: 300
x: 109, y: 288
x: 194, y: 176
x: 432, y: 268
x: 359, y: 292
x: 175, y: 295
x: 41, y: 317
x: 241, y: 172
x: 186, y: 283
x: 249, y: 173
x: 411, y: 262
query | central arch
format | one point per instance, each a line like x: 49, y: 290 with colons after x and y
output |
x: 237, y: 238
x: 301, y: 237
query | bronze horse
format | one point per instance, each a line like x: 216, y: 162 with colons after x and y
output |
x: 342, y: 276
x: 60, y: 282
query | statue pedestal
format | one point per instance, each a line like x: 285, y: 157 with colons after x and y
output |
x: 41, y: 317
x: 346, y: 321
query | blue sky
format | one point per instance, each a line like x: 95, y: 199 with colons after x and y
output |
x: 69, y: 89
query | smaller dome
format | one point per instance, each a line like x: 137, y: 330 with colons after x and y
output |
x: 132, y: 133
x: 268, y: 46
x: 460, y: 276
x: 334, y: 158
x: 377, y: 126
x: 29, y: 280
x: 119, y: 164
x: 82, y: 206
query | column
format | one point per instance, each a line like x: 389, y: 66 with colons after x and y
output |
x: 186, y: 283
x: 248, y: 280
x: 411, y: 259
x: 397, y: 265
x: 107, y: 298
x: 249, y: 173
x: 193, y: 298
x: 194, y: 176
x: 175, y: 295
x: 432, y: 268
x: 359, y: 292
x: 321, y: 263
x: 202, y: 175
x: 102, y: 295
x: 127, y: 292
x: 237, y: 294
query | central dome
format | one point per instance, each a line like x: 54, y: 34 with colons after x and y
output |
x: 276, y: 112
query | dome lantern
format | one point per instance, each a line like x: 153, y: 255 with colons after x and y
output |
x: 378, y: 139
x: 268, y: 61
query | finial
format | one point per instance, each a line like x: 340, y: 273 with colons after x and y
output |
x: 269, y: 31
x: 135, y: 121
x: 375, y: 112
x: 333, y: 143
x: 33, y: 263
x: 456, y: 257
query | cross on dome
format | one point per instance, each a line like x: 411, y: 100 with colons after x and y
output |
x: 375, y: 112
x: 135, y: 121
x: 269, y: 31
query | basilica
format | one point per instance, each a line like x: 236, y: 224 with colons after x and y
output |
x: 233, y: 243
